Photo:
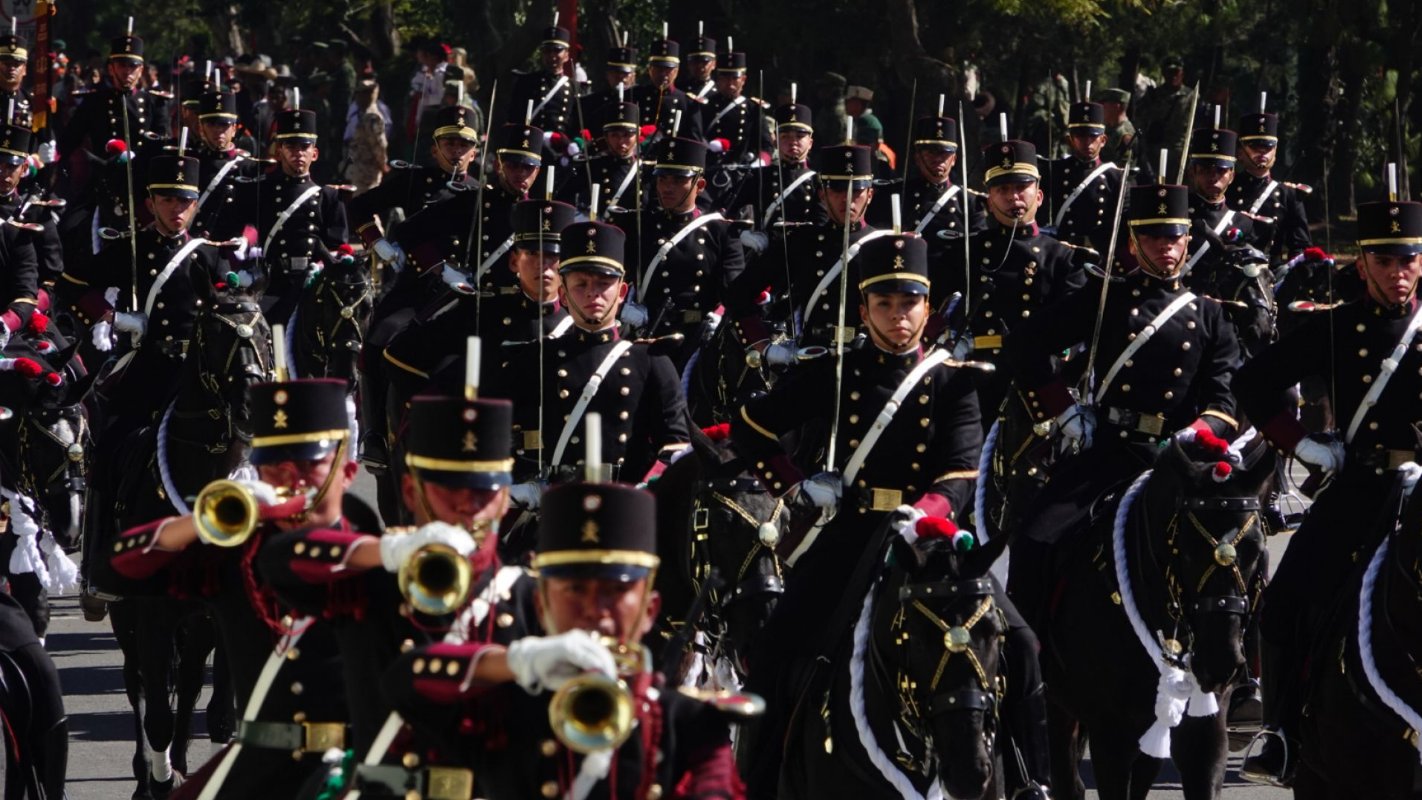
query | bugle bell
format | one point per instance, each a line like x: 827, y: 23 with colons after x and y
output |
x: 593, y: 711
x: 225, y: 513
x: 435, y: 579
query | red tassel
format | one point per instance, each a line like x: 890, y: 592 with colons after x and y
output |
x: 28, y: 367
x: 116, y: 146
x: 39, y: 323
x: 718, y: 433
x: 935, y: 527
x: 1221, y: 471
x: 53, y: 378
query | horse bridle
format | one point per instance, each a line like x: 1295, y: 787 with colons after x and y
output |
x: 345, y: 313
x: 742, y: 586
x: 246, y: 331
x: 957, y: 639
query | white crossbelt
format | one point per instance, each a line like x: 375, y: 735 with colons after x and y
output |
x: 1385, y: 373
x: 217, y: 180
x: 838, y: 268
x: 589, y: 391
x: 1204, y: 248
x: 785, y: 195
x: 557, y: 87
x: 494, y: 256
x: 937, y: 207
x: 739, y: 101
x: 644, y: 285
x: 168, y: 270
x: 626, y: 181
x: 1263, y: 196
x: 1080, y: 187
x: 1141, y: 338
x: 286, y: 215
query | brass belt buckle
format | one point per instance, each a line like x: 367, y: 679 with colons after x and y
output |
x: 322, y: 736
x: 533, y: 440
x: 691, y: 316
x: 1152, y: 425
x: 509, y: 290
x: 1396, y: 458
x: 841, y: 334
x: 886, y: 499
x: 449, y: 783
x: 993, y: 342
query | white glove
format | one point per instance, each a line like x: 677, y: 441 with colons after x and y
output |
x: 48, y: 152
x: 103, y: 334
x: 712, y: 320
x: 388, y: 251
x: 755, y: 241
x: 135, y: 323
x: 397, y: 548
x: 1078, y: 424
x: 634, y: 314
x: 823, y: 492
x: 526, y: 495
x: 4, y: 335
x: 456, y: 280
x: 1326, y: 456
x: 1410, y: 472
x: 542, y: 663
x: 264, y: 492
x: 254, y: 254
x: 779, y: 355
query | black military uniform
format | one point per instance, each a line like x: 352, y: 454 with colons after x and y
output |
x: 300, y: 222
x: 1375, y: 405
x: 1014, y: 272
x: 299, y: 712
x: 552, y: 95
x: 639, y: 397
x: 596, y: 105
x: 680, y: 745
x: 13, y: 49
x: 783, y: 194
x: 424, y: 350
x: 738, y: 122
x: 140, y: 119
x: 703, y: 48
x: 1206, y: 265
x: 227, y: 180
x: 1176, y: 378
x: 1282, y: 230
x: 808, y: 297
x: 30, y: 253
x: 935, y: 210
x: 619, y: 179
x: 1081, y: 194
x: 659, y: 105
x: 686, y: 260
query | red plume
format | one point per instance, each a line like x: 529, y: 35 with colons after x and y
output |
x: 718, y: 433
x: 1221, y: 471
x: 53, y: 378
x: 39, y: 323
x: 1316, y: 254
x: 1211, y: 443
x: 28, y: 367
x: 931, y: 527
x: 116, y: 147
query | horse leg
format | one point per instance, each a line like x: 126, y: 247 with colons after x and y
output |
x: 1064, y: 737
x: 123, y: 622
x: 198, y: 642
x: 222, y: 706
x: 1113, y: 758
x: 1199, y: 746
x: 157, y: 634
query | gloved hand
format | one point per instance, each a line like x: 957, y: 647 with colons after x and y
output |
x: 48, y: 152
x: 389, y: 252
x: 823, y: 491
x: 103, y: 335
x: 397, y: 548
x: 456, y: 280
x: 4, y: 335
x: 779, y: 355
x: 527, y: 495
x: 135, y: 323
x: 1078, y: 424
x: 1327, y: 456
x: 634, y: 314
x: 546, y: 663
x: 755, y: 242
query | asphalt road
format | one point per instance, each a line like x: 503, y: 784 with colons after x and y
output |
x: 102, y: 732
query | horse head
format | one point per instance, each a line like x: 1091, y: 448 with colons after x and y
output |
x: 1202, y: 544
x: 331, y: 321
x: 937, y: 638
x: 231, y: 350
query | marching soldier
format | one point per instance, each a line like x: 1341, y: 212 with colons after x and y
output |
x: 801, y: 270
x: 783, y: 194
x: 1084, y: 188
x: 412, y: 187
x: 1121, y: 138
x: 1275, y: 207
x: 226, y: 174
x: 31, y: 213
x: 700, y: 81
x: 301, y: 221
x: 591, y: 368
x: 1367, y: 354
x: 595, y: 561
x: 925, y: 456
x: 286, y: 668
x: 932, y: 202
x: 687, y: 258
x: 14, y: 64
x: 660, y: 100
x: 1014, y: 270
x: 620, y: 73
x: 120, y: 110
x: 617, y: 171
x: 549, y: 89
x: 733, y: 122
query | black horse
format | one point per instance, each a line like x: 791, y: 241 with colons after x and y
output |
x: 911, y: 700
x: 713, y: 514
x: 203, y: 435
x: 719, y: 379
x: 327, y: 329
x: 1355, y: 743
x: 1192, y: 538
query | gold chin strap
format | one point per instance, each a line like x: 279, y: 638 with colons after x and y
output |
x: 336, y: 466
x: 918, y: 334
x: 478, y: 531
x: 1149, y: 266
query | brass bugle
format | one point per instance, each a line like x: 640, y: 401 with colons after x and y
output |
x: 225, y: 513
x: 435, y: 579
x: 594, y: 712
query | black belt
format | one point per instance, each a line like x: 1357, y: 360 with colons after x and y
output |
x: 295, y: 737
x: 1134, y: 422
x: 430, y: 783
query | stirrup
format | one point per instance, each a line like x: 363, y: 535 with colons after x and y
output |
x: 1034, y: 791
x: 1281, y: 780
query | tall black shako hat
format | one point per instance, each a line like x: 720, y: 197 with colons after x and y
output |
x: 296, y: 125
x: 173, y: 176
x: 1086, y: 117
x: 680, y: 157
x: 538, y: 224
x: 1159, y: 210
x: 622, y: 116
x: 16, y: 144
x: 1214, y: 147
x: 894, y: 263
x: 1390, y: 227
x: 126, y: 48
x: 593, y: 247
x: 1012, y: 161
x: 217, y: 104
x: 1259, y: 129
x: 456, y: 442
x: 456, y: 121
x: 846, y: 163
x: 795, y: 116
x: 601, y: 530
x: 936, y: 133
x: 521, y: 143
x: 299, y: 420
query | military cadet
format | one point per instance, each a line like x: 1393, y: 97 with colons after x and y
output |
x: 175, y: 273
x: 1154, y: 386
x: 621, y: 75
x: 1275, y: 207
x: 591, y: 368
x: 617, y: 170
x: 1083, y: 188
x: 933, y: 203
x: 1368, y: 355
x: 700, y: 81
x: 783, y: 194
x: 300, y: 221
x: 1014, y: 271
x: 226, y: 174
x: 925, y: 456
x: 424, y: 351
x: 596, y: 561
x: 687, y: 257
x: 733, y: 122
x: 369, y: 584
x: 286, y: 669
x: 120, y: 110
x: 660, y: 100
x: 549, y: 89
x: 14, y: 63
x: 1121, y: 138
x: 30, y: 212
x: 412, y: 187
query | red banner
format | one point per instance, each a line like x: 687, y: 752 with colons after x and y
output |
x: 40, y: 76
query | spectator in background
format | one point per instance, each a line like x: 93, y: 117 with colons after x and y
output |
x: 367, y: 138
x: 830, y: 117
x: 426, y: 85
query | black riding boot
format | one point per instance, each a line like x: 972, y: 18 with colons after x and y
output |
x: 1274, y: 752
